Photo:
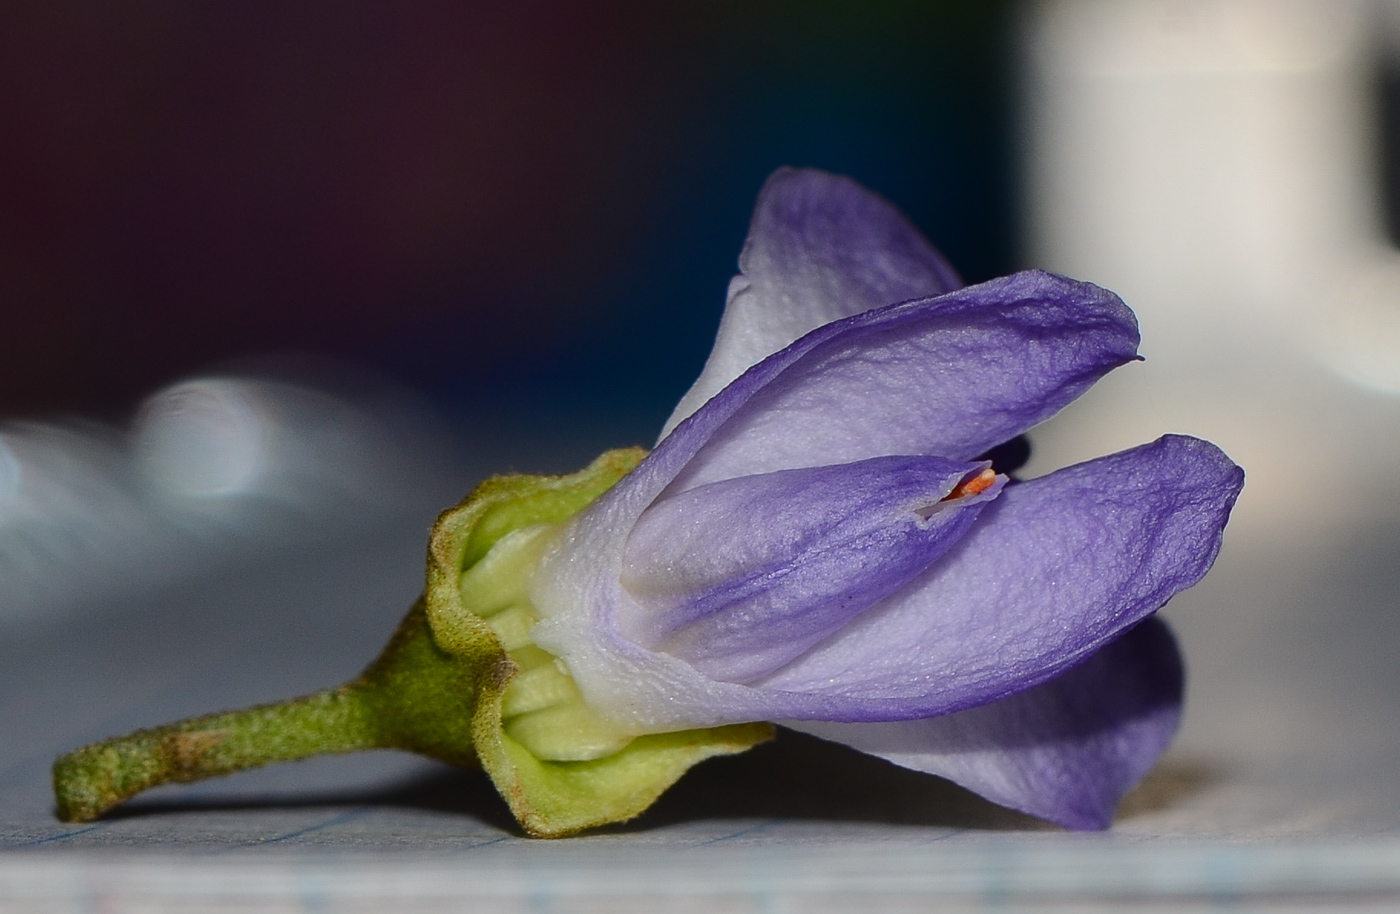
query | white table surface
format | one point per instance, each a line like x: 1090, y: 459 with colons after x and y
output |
x: 1281, y: 792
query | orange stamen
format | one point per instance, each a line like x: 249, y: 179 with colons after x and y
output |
x: 979, y: 483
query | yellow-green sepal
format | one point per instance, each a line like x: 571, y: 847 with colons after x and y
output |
x: 550, y: 798
x: 557, y: 799
x: 501, y: 505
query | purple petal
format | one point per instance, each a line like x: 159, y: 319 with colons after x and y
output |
x: 1066, y: 750
x: 952, y: 375
x: 940, y: 377
x: 1052, y: 571
x: 1056, y: 568
x: 739, y: 577
x: 820, y: 247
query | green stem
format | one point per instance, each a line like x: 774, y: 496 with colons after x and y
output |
x: 91, y: 780
x: 415, y: 697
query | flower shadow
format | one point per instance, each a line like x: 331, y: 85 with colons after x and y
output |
x: 800, y: 777
x: 794, y: 777
x: 436, y: 788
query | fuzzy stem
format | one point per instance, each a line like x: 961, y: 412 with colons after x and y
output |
x: 91, y: 780
x: 414, y: 697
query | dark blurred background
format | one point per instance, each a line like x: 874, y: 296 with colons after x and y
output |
x: 535, y: 202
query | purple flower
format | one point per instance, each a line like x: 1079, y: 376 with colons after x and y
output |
x: 815, y: 542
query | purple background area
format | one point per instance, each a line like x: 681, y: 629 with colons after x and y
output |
x: 537, y: 200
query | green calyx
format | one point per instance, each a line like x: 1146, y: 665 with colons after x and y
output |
x: 460, y: 681
x: 560, y: 767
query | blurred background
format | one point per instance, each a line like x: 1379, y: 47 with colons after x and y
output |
x: 483, y: 236
x: 478, y: 200
x: 280, y: 277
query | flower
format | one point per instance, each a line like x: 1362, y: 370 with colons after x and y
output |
x: 815, y: 542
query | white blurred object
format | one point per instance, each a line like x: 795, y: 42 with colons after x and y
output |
x: 1213, y: 161
x: 206, y: 438
x: 204, y: 444
x: 211, y: 469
